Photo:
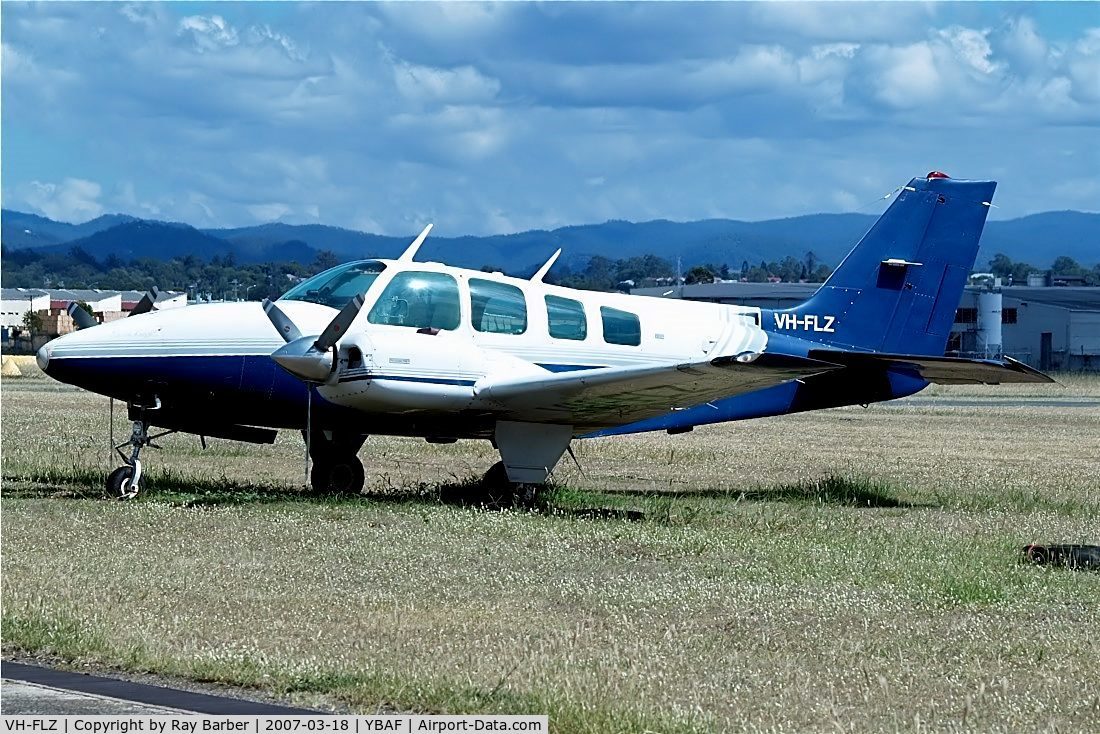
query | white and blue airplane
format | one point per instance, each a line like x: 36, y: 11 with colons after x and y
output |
x: 408, y: 348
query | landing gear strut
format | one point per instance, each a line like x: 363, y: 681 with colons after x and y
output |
x: 124, y: 482
x: 528, y: 452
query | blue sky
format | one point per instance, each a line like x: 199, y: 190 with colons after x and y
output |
x: 489, y: 118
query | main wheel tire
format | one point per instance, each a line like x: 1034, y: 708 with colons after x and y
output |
x: 501, y: 490
x: 496, y: 477
x: 118, y: 482
x: 525, y: 494
x: 342, y: 475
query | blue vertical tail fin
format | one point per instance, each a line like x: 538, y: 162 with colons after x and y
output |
x: 898, y: 289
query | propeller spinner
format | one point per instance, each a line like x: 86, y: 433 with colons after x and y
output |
x: 310, y: 358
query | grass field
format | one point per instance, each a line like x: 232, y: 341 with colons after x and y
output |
x: 854, y: 569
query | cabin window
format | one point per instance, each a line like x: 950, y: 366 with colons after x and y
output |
x: 497, y: 308
x: 420, y: 300
x: 337, y: 286
x: 566, y: 318
x: 620, y: 327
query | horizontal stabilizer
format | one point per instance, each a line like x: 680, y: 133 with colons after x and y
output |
x: 940, y: 370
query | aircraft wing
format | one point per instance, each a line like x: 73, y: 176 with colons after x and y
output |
x: 612, y: 396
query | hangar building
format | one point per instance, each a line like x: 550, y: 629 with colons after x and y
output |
x: 1049, y: 328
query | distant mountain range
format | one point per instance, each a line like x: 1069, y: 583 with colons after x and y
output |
x: 1036, y: 239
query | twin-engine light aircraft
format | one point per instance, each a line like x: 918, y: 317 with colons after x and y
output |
x: 407, y: 348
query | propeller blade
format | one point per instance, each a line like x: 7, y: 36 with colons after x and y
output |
x: 339, y: 325
x: 82, y: 318
x: 286, y: 328
x: 146, y: 303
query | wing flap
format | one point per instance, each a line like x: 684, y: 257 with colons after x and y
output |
x: 616, y: 395
x: 940, y: 370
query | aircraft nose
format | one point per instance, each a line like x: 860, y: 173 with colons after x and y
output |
x: 43, y: 358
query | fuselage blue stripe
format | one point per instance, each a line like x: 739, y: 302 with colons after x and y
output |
x: 405, y: 378
x: 568, y: 367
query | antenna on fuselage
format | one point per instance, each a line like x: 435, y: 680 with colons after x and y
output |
x: 541, y: 272
x: 408, y: 255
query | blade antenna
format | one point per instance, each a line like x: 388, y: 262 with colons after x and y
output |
x: 80, y: 317
x: 541, y: 272
x: 410, y: 252
x: 146, y: 303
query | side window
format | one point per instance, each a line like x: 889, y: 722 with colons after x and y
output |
x: 566, y: 318
x: 420, y: 300
x: 497, y: 308
x: 620, y: 327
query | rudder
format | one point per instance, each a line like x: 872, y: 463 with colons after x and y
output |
x: 898, y: 289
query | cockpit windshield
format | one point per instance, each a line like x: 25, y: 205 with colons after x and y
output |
x: 337, y: 286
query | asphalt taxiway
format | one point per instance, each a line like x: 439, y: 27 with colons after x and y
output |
x: 33, y: 689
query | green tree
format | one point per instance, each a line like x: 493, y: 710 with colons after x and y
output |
x: 699, y: 274
x: 32, y: 322
x: 1066, y: 266
x: 1001, y: 265
x: 325, y: 259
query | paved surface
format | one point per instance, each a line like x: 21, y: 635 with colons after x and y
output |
x: 928, y: 402
x: 17, y: 697
x: 31, y: 689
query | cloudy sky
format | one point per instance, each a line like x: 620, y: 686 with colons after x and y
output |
x: 497, y: 118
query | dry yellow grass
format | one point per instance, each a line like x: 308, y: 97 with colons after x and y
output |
x: 737, y: 598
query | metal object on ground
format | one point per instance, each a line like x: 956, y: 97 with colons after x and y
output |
x: 1070, y: 556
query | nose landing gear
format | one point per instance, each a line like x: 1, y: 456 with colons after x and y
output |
x: 125, y: 481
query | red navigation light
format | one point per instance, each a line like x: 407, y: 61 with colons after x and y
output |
x: 937, y: 174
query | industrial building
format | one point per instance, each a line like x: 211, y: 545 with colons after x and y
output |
x: 51, y: 305
x: 1049, y: 328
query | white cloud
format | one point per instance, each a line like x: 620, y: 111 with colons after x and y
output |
x: 72, y: 200
x: 972, y: 46
x: 908, y: 76
x: 12, y: 62
x: 1022, y: 45
x: 479, y: 116
x: 269, y: 212
x: 143, y: 14
x: 1084, y: 67
x: 208, y: 32
x: 841, y: 50
x: 464, y: 84
x: 260, y: 34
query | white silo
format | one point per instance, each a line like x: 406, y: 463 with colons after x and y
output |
x: 989, y: 323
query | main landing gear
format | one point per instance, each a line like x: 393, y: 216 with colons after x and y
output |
x: 336, y: 468
x: 500, y: 488
x: 528, y: 452
x: 124, y: 482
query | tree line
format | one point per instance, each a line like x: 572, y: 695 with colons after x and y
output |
x: 1002, y: 266
x: 222, y: 278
